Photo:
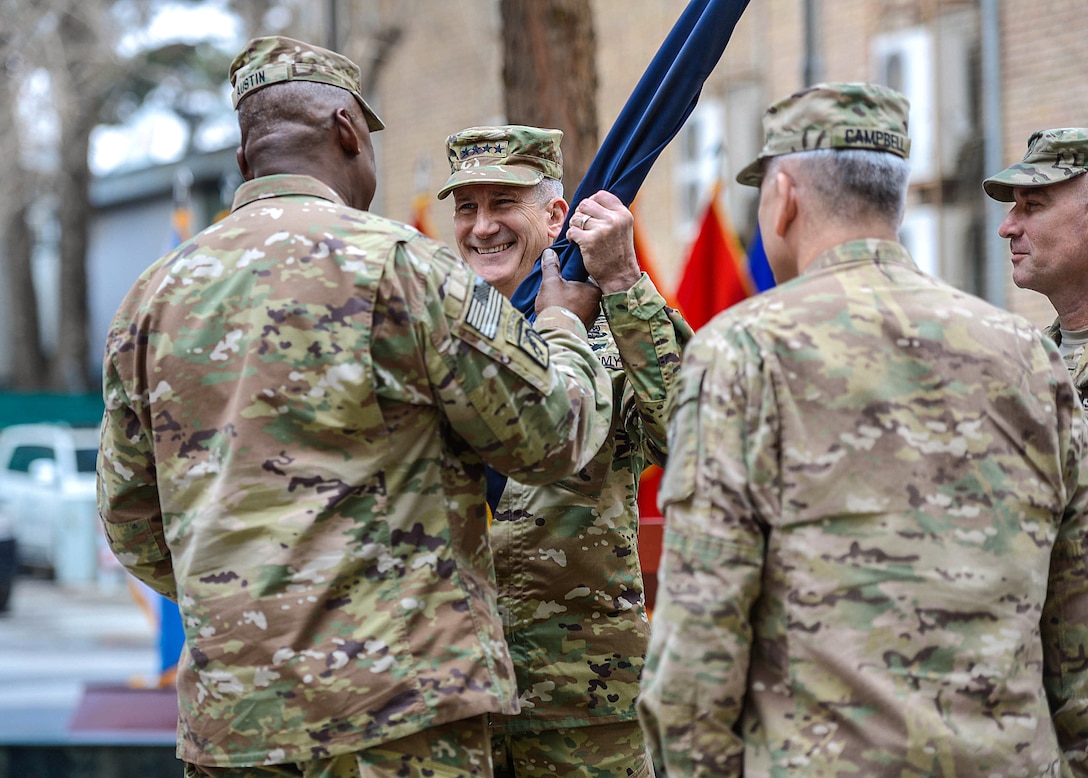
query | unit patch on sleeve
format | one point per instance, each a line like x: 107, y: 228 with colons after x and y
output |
x: 521, y: 333
x: 484, y: 309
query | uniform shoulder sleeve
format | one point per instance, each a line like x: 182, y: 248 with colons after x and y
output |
x: 1064, y: 624
x: 694, y: 680
x: 534, y: 402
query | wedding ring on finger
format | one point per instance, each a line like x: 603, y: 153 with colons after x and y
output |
x: 582, y: 223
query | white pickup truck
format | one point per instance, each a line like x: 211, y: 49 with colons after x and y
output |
x: 47, y: 493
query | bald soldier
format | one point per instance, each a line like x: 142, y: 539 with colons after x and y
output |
x: 300, y: 403
x: 876, y: 531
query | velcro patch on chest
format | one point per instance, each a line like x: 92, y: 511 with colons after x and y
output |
x: 521, y: 333
x: 484, y: 309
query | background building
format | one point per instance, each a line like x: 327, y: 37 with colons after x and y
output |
x: 980, y: 77
x: 976, y: 71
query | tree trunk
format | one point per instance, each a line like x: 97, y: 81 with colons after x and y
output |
x: 70, y: 369
x: 28, y: 362
x: 22, y: 336
x: 550, y: 75
x: 81, y: 92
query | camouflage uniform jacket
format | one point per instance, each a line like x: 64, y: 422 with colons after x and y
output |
x: 873, y: 480
x: 1079, y: 372
x: 300, y: 402
x: 566, y: 555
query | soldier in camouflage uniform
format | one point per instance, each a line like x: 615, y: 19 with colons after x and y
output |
x: 300, y: 403
x: 1047, y: 229
x: 876, y: 500
x: 566, y: 555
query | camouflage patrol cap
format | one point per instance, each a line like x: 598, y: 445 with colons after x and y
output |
x: 274, y: 59
x: 511, y: 154
x: 833, y: 116
x: 1052, y: 156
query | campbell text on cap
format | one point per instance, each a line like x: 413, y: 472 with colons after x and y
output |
x: 512, y: 154
x: 833, y: 116
x: 275, y: 59
x: 1052, y: 156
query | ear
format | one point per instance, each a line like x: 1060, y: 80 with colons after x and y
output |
x: 557, y: 214
x: 347, y: 134
x: 785, y: 203
x: 243, y: 166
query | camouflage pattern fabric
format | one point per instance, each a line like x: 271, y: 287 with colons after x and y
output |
x: 456, y: 750
x: 566, y: 556
x: 300, y: 402
x: 600, y: 751
x: 511, y: 154
x: 873, y: 481
x: 275, y: 59
x: 833, y: 116
x: 1077, y: 365
x: 1052, y: 156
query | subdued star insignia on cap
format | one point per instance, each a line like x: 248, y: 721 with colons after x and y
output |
x: 513, y: 154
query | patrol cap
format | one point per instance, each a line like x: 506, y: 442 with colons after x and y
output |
x: 274, y: 59
x: 1052, y: 156
x: 833, y: 116
x: 511, y: 154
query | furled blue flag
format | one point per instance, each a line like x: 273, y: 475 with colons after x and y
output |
x: 758, y: 266
x: 660, y: 104
x: 656, y: 110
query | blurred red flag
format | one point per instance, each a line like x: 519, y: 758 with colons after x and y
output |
x: 714, y: 278
x: 646, y: 260
x: 421, y: 215
x: 716, y: 274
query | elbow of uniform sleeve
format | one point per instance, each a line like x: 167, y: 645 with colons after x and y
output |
x: 694, y: 682
x: 142, y: 553
x: 1071, y: 725
x: 132, y: 528
x: 675, y: 737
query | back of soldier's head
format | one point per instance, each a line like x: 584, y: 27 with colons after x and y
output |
x: 849, y: 140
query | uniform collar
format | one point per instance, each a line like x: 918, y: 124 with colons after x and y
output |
x: 865, y: 250
x: 283, y: 185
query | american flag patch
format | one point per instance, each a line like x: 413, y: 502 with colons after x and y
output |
x: 484, y: 309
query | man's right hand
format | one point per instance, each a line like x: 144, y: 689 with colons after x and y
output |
x: 580, y: 298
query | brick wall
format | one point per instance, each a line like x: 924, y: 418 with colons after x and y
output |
x: 445, y: 74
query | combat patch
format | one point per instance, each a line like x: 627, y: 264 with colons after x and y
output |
x: 484, y: 309
x: 521, y: 333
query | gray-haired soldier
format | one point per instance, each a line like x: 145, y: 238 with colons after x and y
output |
x: 301, y: 401
x: 876, y: 551
x: 1047, y: 228
x: 566, y: 554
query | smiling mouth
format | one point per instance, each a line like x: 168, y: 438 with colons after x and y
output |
x: 494, y: 249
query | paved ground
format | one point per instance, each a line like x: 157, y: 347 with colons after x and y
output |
x: 54, y: 640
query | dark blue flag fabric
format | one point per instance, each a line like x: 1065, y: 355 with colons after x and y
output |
x: 758, y: 266
x: 656, y: 110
